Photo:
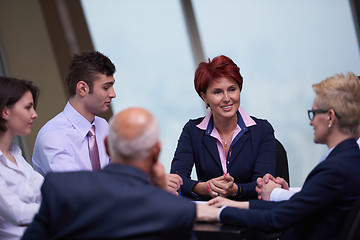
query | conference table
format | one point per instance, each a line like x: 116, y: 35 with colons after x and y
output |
x: 212, y: 231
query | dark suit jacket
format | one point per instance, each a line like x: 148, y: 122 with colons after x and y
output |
x: 319, y: 210
x: 252, y: 156
x: 118, y: 202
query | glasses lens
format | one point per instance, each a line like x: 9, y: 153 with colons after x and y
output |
x: 311, y: 115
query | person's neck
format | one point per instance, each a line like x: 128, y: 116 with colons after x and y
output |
x: 336, y: 138
x: 225, y: 126
x: 80, y: 108
x: 6, y: 139
x: 136, y: 163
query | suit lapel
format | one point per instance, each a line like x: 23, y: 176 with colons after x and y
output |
x: 237, y: 147
x: 239, y: 142
x: 210, y: 144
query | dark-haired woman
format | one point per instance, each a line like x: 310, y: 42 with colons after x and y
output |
x: 20, y: 195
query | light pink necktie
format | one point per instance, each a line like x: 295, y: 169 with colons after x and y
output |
x: 93, y: 149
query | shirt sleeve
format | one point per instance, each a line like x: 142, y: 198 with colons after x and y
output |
x: 13, y: 209
x: 218, y: 216
x: 51, y: 153
x: 279, y: 194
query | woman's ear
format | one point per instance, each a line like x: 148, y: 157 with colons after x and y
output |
x: 332, y: 116
x: 203, y: 97
x: 5, y: 113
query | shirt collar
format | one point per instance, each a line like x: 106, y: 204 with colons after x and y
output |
x: 81, y: 124
x: 15, y: 151
x: 208, y: 125
x: 326, y: 154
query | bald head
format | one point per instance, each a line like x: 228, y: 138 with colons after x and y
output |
x: 133, y: 133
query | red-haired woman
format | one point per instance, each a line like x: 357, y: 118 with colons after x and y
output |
x: 229, y: 148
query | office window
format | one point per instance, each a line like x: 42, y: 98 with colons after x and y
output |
x: 147, y: 41
x: 282, y: 48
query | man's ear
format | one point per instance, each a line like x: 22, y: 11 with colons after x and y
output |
x: 82, y: 88
x: 107, y: 146
x: 156, y: 151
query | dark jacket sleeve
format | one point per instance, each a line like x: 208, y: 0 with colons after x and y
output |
x: 263, y: 153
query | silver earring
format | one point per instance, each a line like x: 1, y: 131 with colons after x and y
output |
x: 329, y: 126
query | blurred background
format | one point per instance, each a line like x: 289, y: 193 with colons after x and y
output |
x: 282, y: 47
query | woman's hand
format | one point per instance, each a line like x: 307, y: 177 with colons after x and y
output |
x: 220, y: 202
x: 223, y: 186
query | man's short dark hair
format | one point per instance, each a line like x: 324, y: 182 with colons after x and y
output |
x: 86, y: 67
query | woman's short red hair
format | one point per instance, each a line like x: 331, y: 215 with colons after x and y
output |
x: 220, y: 66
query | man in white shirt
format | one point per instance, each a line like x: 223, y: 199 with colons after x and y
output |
x: 62, y: 144
x: 277, y: 189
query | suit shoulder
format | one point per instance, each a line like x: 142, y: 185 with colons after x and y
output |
x: 56, y: 124
x: 61, y: 179
x: 260, y: 120
x: 262, y: 123
x: 193, y: 122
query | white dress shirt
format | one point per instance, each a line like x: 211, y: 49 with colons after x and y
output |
x: 20, y: 195
x: 62, y: 143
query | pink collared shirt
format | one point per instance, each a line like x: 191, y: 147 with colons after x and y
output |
x: 215, y: 134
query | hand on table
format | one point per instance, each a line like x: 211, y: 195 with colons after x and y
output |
x: 174, y: 182
x: 205, y: 213
x: 220, y: 202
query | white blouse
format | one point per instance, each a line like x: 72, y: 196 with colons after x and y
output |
x: 20, y: 195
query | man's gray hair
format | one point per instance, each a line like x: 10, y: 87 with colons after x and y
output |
x: 136, y: 148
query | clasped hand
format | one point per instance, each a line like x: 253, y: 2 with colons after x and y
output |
x: 222, y: 186
x: 267, y: 184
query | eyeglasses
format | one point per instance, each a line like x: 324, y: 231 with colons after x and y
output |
x: 312, y: 112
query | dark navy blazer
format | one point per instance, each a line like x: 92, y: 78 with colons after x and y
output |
x: 252, y: 154
x: 319, y: 210
x: 118, y: 202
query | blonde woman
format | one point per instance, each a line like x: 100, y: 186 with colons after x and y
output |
x: 320, y: 208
